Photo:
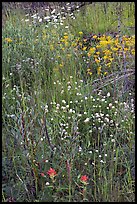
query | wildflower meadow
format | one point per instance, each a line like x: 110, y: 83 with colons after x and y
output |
x: 68, y: 115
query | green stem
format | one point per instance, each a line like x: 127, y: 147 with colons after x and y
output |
x: 4, y: 200
x: 84, y: 193
x: 70, y: 191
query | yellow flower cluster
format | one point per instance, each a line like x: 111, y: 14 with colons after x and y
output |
x: 106, y: 50
x: 102, y: 51
x: 99, y: 50
x: 65, y: 41
x: 9, y: 40
x: 91, y: 51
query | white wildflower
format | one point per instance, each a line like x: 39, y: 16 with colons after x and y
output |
x: 40, y: 20
x: 70, y: 111
x: 69, y: 87
x: 108, y: 94
x: 47, y: 183
x: 63, y: 101
x: 86, y: 120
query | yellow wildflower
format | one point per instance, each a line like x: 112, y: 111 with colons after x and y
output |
x: 108, y: 38
x: 114, y: 48
x: 84, y: 48
x: 61, y: 65
x: 105, y: 57
x: 99, y: 70
x: 97, y: 60
x: 102, y: 38
x: 124, y: 38
x: 62, y: 40
x: 51, y: 47
x: 65, y: 36
x: 133, y: 51
x: 107, y: 52
x: 126, y: 49
x: 92, y: 49
x: 80, y: 32
x: 116, y: 41
x: 74, y: 44
x: 80, y: 44
x: 130, y: 43
x: 95, y: 56
x: 89, y: 71
x: 9, y: 40
x: 94, y: 36
x: 98, y: 46
x: 77, y: 39
x: 111, y: 59
x: 108, y: 64
x: 68, y: 55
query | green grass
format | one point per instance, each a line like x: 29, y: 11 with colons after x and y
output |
x: 53, y: 117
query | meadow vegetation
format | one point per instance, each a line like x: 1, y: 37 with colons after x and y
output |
x: 68, y: 119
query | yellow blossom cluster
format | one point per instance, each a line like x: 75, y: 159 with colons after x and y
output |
x: 9, y: 40
x: 104, y: 50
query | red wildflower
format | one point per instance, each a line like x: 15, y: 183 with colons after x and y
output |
x: 51, y: 172
x: 84, y: 179
x: 42, y: 174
